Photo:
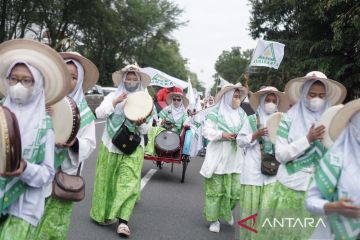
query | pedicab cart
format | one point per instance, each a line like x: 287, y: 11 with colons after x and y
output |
x: 169, y: 145
x: 170, y: 150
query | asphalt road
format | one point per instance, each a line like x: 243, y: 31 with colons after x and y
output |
x: 167, y: 210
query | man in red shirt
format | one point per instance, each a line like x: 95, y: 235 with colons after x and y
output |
x: 162, y: 94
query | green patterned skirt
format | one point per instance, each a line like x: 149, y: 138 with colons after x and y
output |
x: 222, y: 193
x: 55, y: 221
x: 249, y: 205
x: 282, y: 204
x: 117, y: 184
x: 14, y: 228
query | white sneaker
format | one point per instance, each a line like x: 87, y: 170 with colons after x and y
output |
x: 231, y: 221
x: 215, y: 227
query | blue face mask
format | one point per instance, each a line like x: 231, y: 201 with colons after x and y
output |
x: 131, y: 86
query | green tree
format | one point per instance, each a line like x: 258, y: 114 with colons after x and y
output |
x: 319, y: 35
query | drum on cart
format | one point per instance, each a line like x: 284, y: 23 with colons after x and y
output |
x: 167, y: 143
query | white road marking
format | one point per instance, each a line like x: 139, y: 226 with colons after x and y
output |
x: 147, y: 177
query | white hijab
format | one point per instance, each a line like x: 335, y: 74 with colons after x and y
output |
x: 263, y: 115
x: 77, y: 94
x: 231, y: 116
x: 121, y: 89
x: 30, y: 116
x: 302, y: 118
x: 177, y: 112
x: 347, y: 145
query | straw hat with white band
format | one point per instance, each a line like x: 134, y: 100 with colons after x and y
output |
x: 335, y: 91
x: 326, y: 119
x: 118, y: 76
x: 178, y: 94
x: 91, y: 72
x: 342, y: 118
x: 284, y: 102
x: 227, y: 87
x: 56, y: 76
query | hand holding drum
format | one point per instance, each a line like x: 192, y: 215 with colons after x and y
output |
x: 66, y: 121
x: 11, y: 162
x: 138, y: 106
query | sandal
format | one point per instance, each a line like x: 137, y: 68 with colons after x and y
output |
x: 123, y: 230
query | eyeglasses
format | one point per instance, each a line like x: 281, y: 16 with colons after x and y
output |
x: 26, y: 82
x: 177, y: 99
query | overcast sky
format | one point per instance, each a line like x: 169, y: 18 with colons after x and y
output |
x: 213, y: 26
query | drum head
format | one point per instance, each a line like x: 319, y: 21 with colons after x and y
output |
x: 167, y: 141
x: 66, y: 120
x: 138, y: 105
x: 10, y: 141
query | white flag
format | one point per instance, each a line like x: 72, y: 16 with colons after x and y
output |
x: 191, y: 95
x: 159, y: 78
x: 268, y: 54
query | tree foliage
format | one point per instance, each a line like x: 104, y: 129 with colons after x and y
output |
x: 319, y: 35
x: 112, y: 33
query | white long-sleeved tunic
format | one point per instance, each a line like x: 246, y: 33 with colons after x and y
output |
x: 87, y: 144
x: 222, y: 157
x: 251, y: 169
x: 105, y: 109
x: 30, y: 205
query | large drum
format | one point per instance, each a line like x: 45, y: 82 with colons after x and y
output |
x: 66, y: 120
x: 167, y: 143
x: 138, y: 105
x: 10, y: 141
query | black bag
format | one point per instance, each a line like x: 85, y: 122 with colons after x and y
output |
x: 269, y: 164
x: 126, y: 141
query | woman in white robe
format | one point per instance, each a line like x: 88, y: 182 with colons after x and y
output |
x: 222, y: 165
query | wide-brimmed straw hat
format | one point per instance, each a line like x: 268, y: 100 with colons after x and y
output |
x: 170, y: 96
x: 336, y: 92
x: 228, y: 87
x: 91, y: 72
x: 342, y: 118
x: 51, y: 65
x: 325, y: 120
x: 284, y: 102
x: 118, y: 76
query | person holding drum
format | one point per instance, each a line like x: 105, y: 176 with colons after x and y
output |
x: 335, y: 191
x: 222, y: 165
x: 255, y: 181
x: 28, y: 85
x: 298, y: 147
x: 174, y: 116
x: 118, y: 175
x: 68, y: 156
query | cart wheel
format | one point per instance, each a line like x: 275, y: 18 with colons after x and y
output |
x: 159, y: 165
x: 185, y: 162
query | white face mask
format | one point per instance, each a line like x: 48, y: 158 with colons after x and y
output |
x: 315, y: 104
x: 20, y: 94
x: 270, y: 108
